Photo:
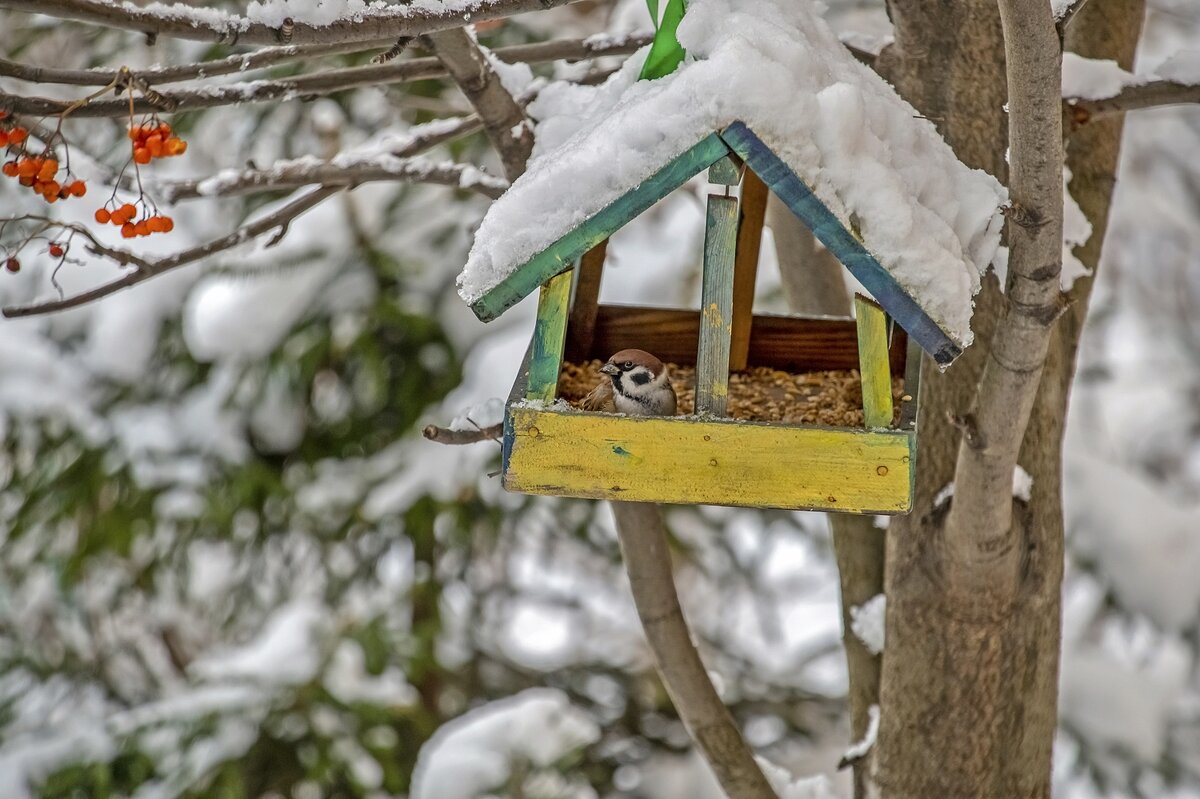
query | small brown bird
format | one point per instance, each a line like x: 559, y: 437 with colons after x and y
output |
x: 638, y: 385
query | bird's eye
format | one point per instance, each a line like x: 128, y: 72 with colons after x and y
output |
x: 628, y: 365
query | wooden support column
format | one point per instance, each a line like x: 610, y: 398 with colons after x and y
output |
x: 581, y: 331
x: 745, y: 269
x: 716, y: 299
x: 873, y: 367
x: 545, y: 359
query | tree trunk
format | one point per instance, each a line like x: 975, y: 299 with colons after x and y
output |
x: 969, y: 681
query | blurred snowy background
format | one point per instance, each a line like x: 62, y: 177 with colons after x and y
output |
x: 230, y: 565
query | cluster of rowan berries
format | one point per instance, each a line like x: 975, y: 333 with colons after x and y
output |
x: 155, y: 141
x: 38, y: 173
x: 12, y: 136
x: 122, y: 216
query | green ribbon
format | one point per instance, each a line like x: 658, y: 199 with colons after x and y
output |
x: 665, y: 52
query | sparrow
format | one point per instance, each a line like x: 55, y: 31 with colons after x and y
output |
x: 638, y: 385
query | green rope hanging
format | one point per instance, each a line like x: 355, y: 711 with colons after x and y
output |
x: 665, y: 52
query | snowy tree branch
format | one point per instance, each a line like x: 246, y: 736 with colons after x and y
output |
x: 503, y: 118
x: 647, y: 557
x: 188, y: 22
x: 980, y: 538
x: 305, y: 86
x: 1132, y: 98
x: 1067, y: 14
x: 244, y: 62
x: 146, y: 269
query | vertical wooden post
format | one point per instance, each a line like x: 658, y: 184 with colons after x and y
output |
x: 545, y: 360
x: 745, y: 269
x: 581, y: 331
x: 873, y: 365
x: 716, y: 298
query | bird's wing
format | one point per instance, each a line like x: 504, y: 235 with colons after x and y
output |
x: 600, y: 399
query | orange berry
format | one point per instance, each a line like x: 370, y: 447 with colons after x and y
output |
x: 50, y: 187
x: 127, y: 210
x: 135, y: 132
x: 127, y: 231
x: 141, y: 228
x: 3, y: 138
x: 102, y: 216
x: 25, y: 180
x: 27, y: 168
x: 10, y: 169
x: 78, y: 188
x: 154, y: 143
x: 12, y: 265
x: 141, y: 155
x: 50, y: 198
x: 167, y: 225
x: 56, y: 250
x: 17, y: 135
x: 48, y: 169
x: 164, y: 130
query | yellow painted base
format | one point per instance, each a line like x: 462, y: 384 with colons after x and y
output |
x: 684, y: 460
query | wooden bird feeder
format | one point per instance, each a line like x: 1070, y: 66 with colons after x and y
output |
x: 708, y: 458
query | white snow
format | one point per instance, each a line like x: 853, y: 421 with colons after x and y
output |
x: 1181, y: 67
x: 475, y: 753
x: 860, y: 748
x: 789, y: 787
x: 1076, y: 232
x: 1022, y: 484
x: 285, y: 651
x: 1092, y: 78
x: 879, y: 167
x: 484, y: 414
x: 867, y: 622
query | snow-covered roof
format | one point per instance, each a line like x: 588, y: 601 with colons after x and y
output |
x: 882, y: 170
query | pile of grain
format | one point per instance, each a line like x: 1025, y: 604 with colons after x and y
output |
x: 760, y: 394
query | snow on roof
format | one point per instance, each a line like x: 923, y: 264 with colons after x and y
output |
x: 930, y: 220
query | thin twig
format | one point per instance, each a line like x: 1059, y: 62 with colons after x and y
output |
x: 317, y: 84
x: 148, y: 269
x: 1154, y: 94
x: 182, y: 21
x: 348, y: 170
x: 444, y: 435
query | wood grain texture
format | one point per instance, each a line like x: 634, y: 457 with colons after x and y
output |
x: 582, y: 327
x: 873, y: 366
x: 790, y: 343
x: 549, y: 333
x: 752, y: 214
x: 841, y: 242
x: 726, y: 172
x: 560, y: 256
x: 716, y: 306
x: 720, y: 462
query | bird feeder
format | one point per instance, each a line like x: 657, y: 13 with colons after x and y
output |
x: 911, y: 223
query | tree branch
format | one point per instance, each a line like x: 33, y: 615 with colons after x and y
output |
x: 444, y: 435
x: 244, y: 62
x: 338, y: 171
x: 1131, y: 98
x: 1066, y: 15
x: 503, y: 118
x: 647, y: 558
x: 148, y: 269
x: 305, y: 86
x: 980, y: 539
x: 187, y: 22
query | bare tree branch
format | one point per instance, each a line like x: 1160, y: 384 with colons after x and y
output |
x: 1066, y: 15
x: 980, y: 537
x: 244, y: 62
x: 444, y: 435
x: 503, y: 118
x: 185, y: 22
x: 321, y: 83
x: 1132, y: 98
x: 280, y: 219
x: 647, y: 558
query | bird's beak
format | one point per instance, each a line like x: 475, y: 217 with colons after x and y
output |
x: 610, y: 369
